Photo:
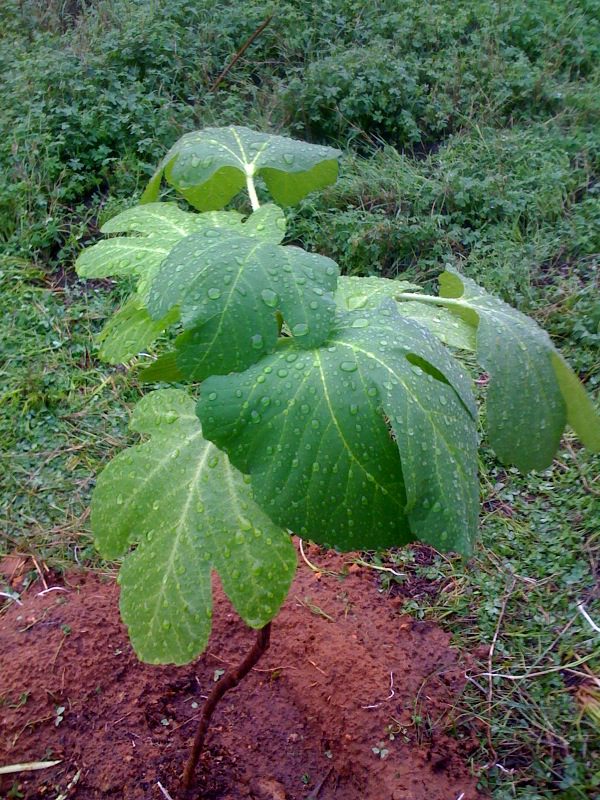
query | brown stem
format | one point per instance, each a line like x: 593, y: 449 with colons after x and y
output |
x: 229, y: 681
x: 241, y: 52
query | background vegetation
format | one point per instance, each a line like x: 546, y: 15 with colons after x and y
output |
x: 472, y: 133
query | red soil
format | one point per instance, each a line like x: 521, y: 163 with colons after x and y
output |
x: 302, y: 726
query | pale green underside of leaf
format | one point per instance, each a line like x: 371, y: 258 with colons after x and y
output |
x: 365, y: 442
x: 354, y: 293
x: 230, y: 290
x: 131, y: 330
x: 164, y: 368
x: 189, y: 511
x: 532, y: 392
x: 209, y: 167
x: 581, y: 414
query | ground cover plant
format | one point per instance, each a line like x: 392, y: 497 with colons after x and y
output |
x: 492, y: 169
x: 347, y: 418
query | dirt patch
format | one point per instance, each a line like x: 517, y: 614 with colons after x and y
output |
x: 354, y: 701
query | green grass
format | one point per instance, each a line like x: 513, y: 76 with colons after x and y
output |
x: 61, y: 412
x: 538, y: 559
x: 472, y: 135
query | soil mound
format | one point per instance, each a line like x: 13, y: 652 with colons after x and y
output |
x: 354, y: 701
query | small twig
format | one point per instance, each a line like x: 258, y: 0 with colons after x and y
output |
x: 164, y: 791
x: 586, y: 616
x: 254, y: 669
x: 241, y: 52
x: 74, y: 782
x: 490, y: 691
x: 51, y: 589
x: 317, y: 790
x: 39, y: 571
x: 389, y: 697
x: 314, y: 609
x: 308, y: 563
x: 378, y: 568
x: 58, y: 649
x: 185, y: 722
x: 312, y: 663
x: 540, y: 673
x: 30, y: 766
x: 120, y: 719
x: 14, y: 597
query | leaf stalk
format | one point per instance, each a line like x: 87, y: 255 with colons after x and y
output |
x: 252, y: 190
x: 431, y: 299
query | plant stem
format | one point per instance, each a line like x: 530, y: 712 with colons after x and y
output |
x: 229, y: 681
x: 252, y: 191
x: 241, y: 52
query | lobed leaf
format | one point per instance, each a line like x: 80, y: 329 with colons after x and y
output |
x: 209, y: 167
x: 159, y: 227
x: 532, y: 392
x: 156, y: 229
x: 188, y: 511
x: 231, y: 291
x: 365, y: 442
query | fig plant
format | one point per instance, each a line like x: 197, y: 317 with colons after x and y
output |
x: 331, y: 406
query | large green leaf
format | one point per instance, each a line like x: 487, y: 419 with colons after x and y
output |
x: 532, y: 392
x: 353, y: 293
x: 189, y: 511
x: 365, y: 442
x: 209, y: 167
x: 231, y: 290
x: 157, y: 228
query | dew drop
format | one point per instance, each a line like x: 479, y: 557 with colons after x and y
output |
x: 348, y: 366
x: 270, y: 298
x: 301, y: 329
